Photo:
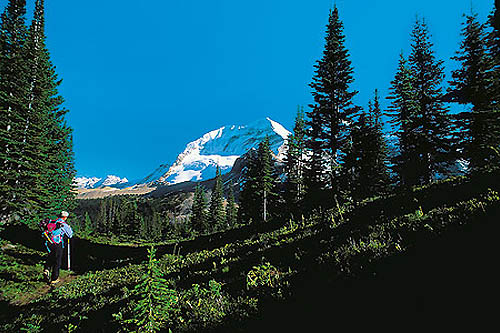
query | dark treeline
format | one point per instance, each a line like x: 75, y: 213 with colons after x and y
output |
x: 129, y: 218
x: 36, y: 156
x: 136, y: 218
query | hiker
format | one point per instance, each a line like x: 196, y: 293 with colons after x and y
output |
x: 56, y: 238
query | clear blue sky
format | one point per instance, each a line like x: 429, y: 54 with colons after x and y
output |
x: 143, y: 78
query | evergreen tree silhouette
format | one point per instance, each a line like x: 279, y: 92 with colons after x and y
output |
x: 473, y: 84
x: 217, y: 214
x: 330, y: 114
x: 199, y: 211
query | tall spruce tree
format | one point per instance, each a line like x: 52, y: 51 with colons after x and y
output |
x: 217, y: 212
x: 257, y: 195
x: 50, y: 130
x: 473, y: 84
x: 402, y: 113
x: 419, y: 118
x: 295, y: 164
x: 331, y: 111
x: 493, y: 41
x: 36, y: 144
x: 365, y: 164
x: 266, y: 177
x: 378, y: 152
x: 199, y: 211
x: 435, y: 145
x: 14, y: 85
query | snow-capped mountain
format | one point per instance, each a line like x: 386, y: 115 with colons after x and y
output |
x: 112, y: 180
x: 84, y: 182
x: 220, y: 147
x: 200, y: 158
x: 94, y: 182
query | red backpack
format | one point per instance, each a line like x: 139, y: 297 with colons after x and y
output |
x: 51, y: 231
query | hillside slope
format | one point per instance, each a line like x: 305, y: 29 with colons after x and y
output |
x: 424, y: 254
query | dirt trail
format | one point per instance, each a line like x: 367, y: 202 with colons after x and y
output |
x: 43, y: 290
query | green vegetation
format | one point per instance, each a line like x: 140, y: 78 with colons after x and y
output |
x: 205, y: 287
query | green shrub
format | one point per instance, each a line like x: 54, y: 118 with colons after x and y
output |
x: 264, y: 275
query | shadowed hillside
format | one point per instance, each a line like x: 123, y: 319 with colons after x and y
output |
x: 402, y: 257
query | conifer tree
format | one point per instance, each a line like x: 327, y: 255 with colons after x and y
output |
x: 102, y: 216
x: 313, y: 175
x: 50, y: 133
x: 471, y: 81
x: 332, y: 110
x: 231, y: 209
x: 217, y: 214
x: 144, y: 228
x: 402, y: 113
x: 257, y: 193
x: 157, y: 226
x: 351, y: 159
x: 127, y: 224
x: 35, y: 141
x: 295, y: 163
x: 154, y: 298
x: 248, y: 199
x: 199, y: 210
x: 36, y: 144
x: 265, y: 179
x: 378, y: 179
x: 88, y: 227
x: 493, y: 43
x: 492, y: 133
x: 365, y: 164
x: 472, y: 84
x: 13, y: 105
x: 419, y: 117
x: 432, y: 125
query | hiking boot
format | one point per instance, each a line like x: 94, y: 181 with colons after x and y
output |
x: 46, y: 275
x: 53, y: 283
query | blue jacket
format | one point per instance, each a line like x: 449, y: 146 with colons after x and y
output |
x: 66, y: 228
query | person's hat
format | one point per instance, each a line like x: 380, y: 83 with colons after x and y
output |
x: 64, y: 213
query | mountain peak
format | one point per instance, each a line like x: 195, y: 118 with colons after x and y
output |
x: 199, y: 160
x: 95, y: 182
x: 220, y: 147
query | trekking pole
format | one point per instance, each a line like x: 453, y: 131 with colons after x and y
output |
x: 69, y: 257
